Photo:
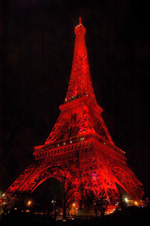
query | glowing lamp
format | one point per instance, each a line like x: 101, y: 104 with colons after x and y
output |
x: 136, y: 203
x: 29, y: 202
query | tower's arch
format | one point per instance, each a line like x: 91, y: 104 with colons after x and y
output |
x: 48, y: 195
x: 127, y: 180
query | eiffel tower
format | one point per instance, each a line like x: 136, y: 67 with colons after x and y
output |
x: 79, y: 147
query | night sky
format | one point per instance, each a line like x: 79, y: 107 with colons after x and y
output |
x: 37, y: 42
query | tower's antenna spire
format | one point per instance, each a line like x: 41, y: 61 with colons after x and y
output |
x: 80, y: 20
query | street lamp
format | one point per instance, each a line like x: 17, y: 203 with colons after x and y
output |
x: 53, y: 202
x: 54, y: 207
x: 29, y: 203
x: 126, y: 200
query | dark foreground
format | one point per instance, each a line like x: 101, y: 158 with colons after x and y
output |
x: 130, y: 216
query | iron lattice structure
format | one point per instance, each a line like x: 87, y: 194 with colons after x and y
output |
x: 79, y: 147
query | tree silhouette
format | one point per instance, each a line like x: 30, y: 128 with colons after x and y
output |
x: 104, y: 199
x: 71, y: 188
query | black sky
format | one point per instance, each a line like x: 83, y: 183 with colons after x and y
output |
x: 37, y: 39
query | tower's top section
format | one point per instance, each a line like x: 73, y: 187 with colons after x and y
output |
x: 80, y: 28
x: 80, y: 83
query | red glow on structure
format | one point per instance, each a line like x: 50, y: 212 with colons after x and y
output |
x: 79, y: 147
x: 80, y: 80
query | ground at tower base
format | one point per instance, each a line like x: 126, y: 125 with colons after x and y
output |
x: 127, y: 216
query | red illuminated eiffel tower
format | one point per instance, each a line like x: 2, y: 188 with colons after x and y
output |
x: 79, y: 147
